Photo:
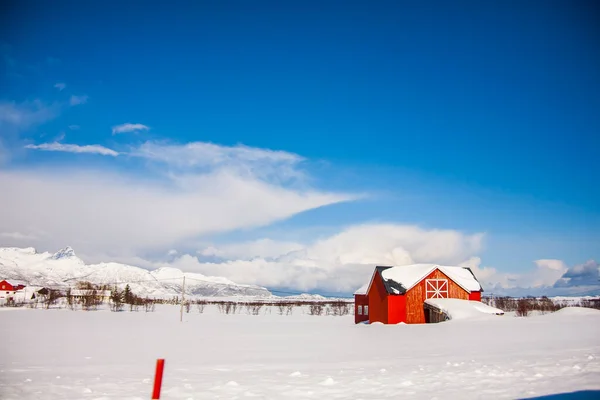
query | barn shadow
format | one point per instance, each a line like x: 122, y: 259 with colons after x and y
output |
x: 580, y: 395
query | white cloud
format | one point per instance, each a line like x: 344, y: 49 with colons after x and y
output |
x: 118, y: 213
x: 128, y: 127
x: 76, y: 100
x: 339, y: 263
x: 74, y: 148
x: 547, y: 272
x: 21, y: 116
x: 60, y: 86
x: 581, y: 275
x: 265, y: 248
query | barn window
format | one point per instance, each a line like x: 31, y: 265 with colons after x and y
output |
x: 436, y: 288
x: 359, y: 310
x: 366, y: 310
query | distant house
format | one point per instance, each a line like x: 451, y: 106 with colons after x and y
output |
x: 29, y: 294
x: 9, y: 288
x: 398, y: 294
x: 79, y: 294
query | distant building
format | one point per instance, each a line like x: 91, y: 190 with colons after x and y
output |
x: 398, y: 294
x: 79, y: 294
x: 9, y: 288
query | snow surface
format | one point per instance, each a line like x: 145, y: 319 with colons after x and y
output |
x: 62, y: 354
x: 409, y: 275
x: 463, y: 309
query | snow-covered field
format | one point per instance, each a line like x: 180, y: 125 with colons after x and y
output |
x: 62, y: 354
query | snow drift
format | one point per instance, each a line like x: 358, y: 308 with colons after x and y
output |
x: 463, y: 309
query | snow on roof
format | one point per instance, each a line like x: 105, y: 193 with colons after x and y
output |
x: 463, y: 309
x: 409, y: 275
x: 363, y: 289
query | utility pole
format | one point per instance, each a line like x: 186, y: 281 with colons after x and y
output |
x: 182, y: 299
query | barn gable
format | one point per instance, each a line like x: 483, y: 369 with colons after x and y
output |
x: 401, y: 279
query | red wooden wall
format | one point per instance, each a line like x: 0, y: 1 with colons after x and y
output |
x: 475, y: 296
x: 378, y: 304
x: 361, y: 300
x: 396, y: 309
x: 415, y: 297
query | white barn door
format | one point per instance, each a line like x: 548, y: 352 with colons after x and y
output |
x: 436, y: 288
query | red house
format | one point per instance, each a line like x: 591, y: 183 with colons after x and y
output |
x: 8, y: 289
x: 7, y: 286
x: 398, y: 294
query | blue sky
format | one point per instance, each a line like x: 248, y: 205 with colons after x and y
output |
x: 470, y: 117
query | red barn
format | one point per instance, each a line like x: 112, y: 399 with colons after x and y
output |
x: 398, y: 294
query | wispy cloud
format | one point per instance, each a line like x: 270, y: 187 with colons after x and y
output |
x: 128, y: 128
x: 60, y: 86
x: 76, y: 100
x: 271, y: 165
x: 74, y: 148
x: 20, y: 116
x: 60, y: 137
x: 74, y: 127
x: 125, y: 213
x: 150, y: 208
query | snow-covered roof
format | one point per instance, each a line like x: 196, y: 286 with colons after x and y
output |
x: 363, y: 289
x: 409, y: 275
x: 463, y: 309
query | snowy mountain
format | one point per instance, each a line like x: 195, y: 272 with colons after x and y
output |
x: 64, y: 268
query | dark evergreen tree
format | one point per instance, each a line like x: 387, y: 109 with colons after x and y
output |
x: 128, y: 295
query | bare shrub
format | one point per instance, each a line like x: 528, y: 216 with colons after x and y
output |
x: 51, y: 297
x: 200, y: 305
x: 339, y: 308
x: 90, y: 300
x: 254, y: 308
x: 227, y: 307
x: 149, y: 305
x: 281, y: 308
x: 316, y: 309
x: 187, y: 306
x: 523, y: 307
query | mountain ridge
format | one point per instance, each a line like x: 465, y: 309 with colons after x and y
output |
x: 64, y: 268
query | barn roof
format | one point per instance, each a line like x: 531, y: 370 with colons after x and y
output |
x: 398, y: 280
x: 409, y: 275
